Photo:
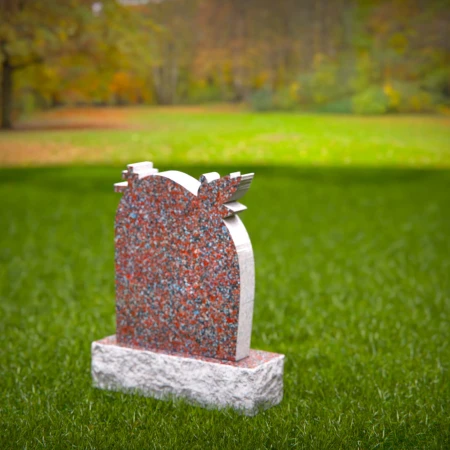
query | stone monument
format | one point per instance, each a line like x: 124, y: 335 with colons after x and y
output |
x: 185, y: 285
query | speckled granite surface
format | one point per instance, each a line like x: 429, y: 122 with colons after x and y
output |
x: 255, y: 358
x: 185, y: 285
x: 178, y: 283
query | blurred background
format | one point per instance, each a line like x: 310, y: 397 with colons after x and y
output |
x: 340, y: 107
x: 342, y: 56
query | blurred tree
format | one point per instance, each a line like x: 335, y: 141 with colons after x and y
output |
x: 171, y: 46
x: 341, y: 55
x: 65, y: 38
x: 31, y: 32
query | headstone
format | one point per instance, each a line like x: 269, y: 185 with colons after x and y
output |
x: 185, y: 285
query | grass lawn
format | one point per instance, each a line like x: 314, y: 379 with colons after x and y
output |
x: 220, y: 136
x: 352, y: 249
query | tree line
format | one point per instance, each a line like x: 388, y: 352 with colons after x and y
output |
x: 362, y: 56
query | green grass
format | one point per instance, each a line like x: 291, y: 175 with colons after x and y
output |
x: 353, y: 285
x: 208, y: 137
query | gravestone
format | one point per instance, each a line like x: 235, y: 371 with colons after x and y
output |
x: 185, y: 287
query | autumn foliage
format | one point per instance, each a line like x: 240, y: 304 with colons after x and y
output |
x: 362, y: 56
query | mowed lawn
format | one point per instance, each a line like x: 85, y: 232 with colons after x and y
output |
x: 224, y: 135
x: 350, y: 223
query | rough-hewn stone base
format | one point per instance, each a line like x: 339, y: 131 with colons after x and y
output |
x: 249, y: 385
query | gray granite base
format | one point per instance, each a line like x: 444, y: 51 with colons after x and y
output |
x: 250, y: 385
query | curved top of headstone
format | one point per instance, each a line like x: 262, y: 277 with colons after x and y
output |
x: 184, y: 263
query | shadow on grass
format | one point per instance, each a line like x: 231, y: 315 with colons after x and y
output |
x: 85, y: 179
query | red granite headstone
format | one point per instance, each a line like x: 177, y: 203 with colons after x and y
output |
x: 184, y: 264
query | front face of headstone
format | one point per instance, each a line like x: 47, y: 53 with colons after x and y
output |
x: 179, y: 283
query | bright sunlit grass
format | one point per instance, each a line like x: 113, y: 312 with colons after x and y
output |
x: 353, y: 286
x: 212, y: 136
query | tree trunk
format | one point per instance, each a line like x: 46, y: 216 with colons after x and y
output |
x: 6, y: 94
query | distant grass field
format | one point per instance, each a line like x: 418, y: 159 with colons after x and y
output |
x: 353, y: 282
x: 223, y: 136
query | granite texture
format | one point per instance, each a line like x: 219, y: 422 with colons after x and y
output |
x: 249, y: 385
x: 184, y: 264
x: 185, y: 286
